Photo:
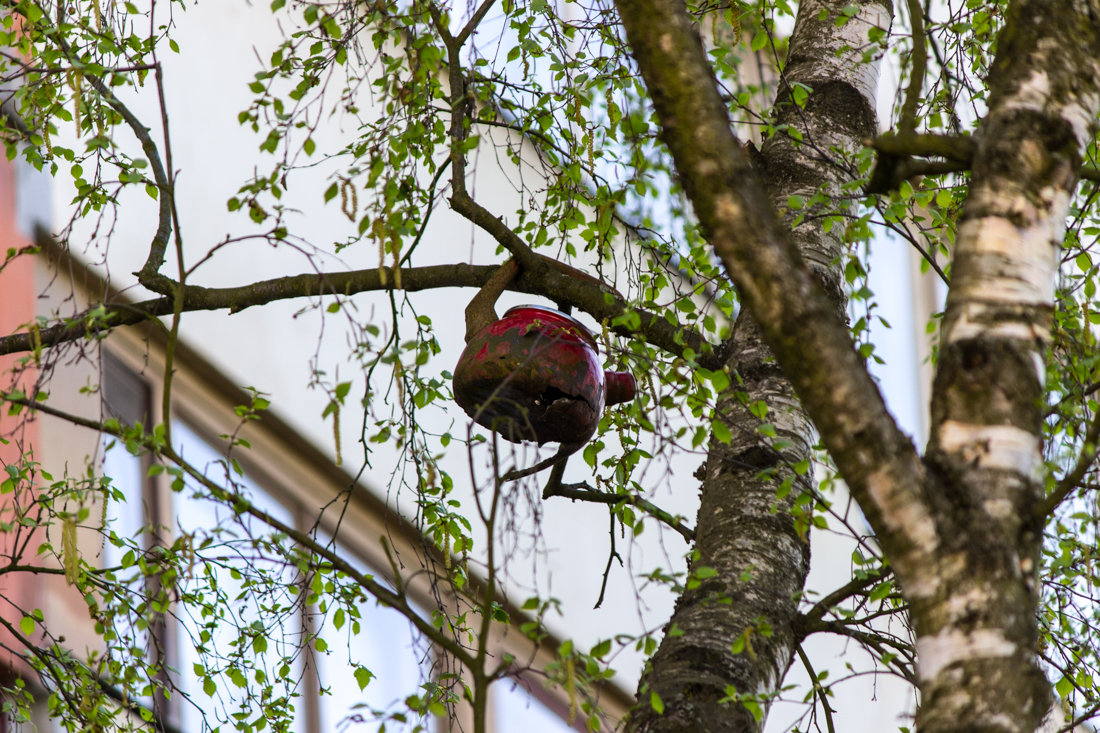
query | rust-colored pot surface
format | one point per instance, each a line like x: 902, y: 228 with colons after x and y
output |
x: 535, y: 374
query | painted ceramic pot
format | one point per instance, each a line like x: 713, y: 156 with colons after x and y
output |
x: 535, y: 374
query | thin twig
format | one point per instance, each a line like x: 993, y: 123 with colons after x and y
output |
x: 853, y: 586
x: 611, y: 556
x: 1089, y: 451
x: 819, y: 691
x: 584, y: 492
x: 908, y: 121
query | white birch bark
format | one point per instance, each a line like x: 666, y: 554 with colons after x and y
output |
x: 975, y: 623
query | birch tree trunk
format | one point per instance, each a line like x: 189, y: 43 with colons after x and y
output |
x: 974, y: 610
x: 961, y: 528
x: 735, y: 631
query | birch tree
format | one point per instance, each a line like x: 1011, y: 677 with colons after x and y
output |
x: 718, y: 180
x: 960, y: 526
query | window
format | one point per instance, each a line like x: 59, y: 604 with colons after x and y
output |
x: 382, y: 641
x: 515, y: 700
x: 245, y: 610
x: 205, y: 651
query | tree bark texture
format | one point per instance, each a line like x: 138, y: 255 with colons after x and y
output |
x: 974, y: 609
x: 733, y: 633
x: 960, y: 527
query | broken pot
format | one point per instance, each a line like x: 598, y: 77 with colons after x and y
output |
x: 535, y: 374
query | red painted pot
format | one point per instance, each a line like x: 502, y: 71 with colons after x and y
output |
x: 535, y: 374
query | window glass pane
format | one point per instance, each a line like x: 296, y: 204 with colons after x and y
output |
x: 385, y: 644
x: 240, y: 619
x: 126, y: 515
x: 516, y: 708
x: 126, y: 398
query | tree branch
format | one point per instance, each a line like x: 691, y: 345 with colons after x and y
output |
x: 957, y: 148
x: 812, y: 345
x: 900, y: 153
x: 149, y: 274
x: 584, y: 492
x: 587, y: 296
x: 853, y: 586
x: 881, y: 644
x: 240, y: 503
x: 819, y: 691
x: 1072, y: 480
x: 908, y: 121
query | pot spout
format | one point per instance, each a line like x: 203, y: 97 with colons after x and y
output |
x: 621, y: 387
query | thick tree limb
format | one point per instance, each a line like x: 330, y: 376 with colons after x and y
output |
x: 811, y: 342
x: 908, y: 121
x: 957, y: 148
x: 586, y: 296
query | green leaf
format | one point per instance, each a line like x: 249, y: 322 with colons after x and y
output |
x: 656, y: 703
x: 601, y: 649
x: 759, y: 40
x: 27, y: 625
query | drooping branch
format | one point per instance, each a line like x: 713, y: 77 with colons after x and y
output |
x: 240, y: 503
x: 818, y: 690
x: 149, y: 275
